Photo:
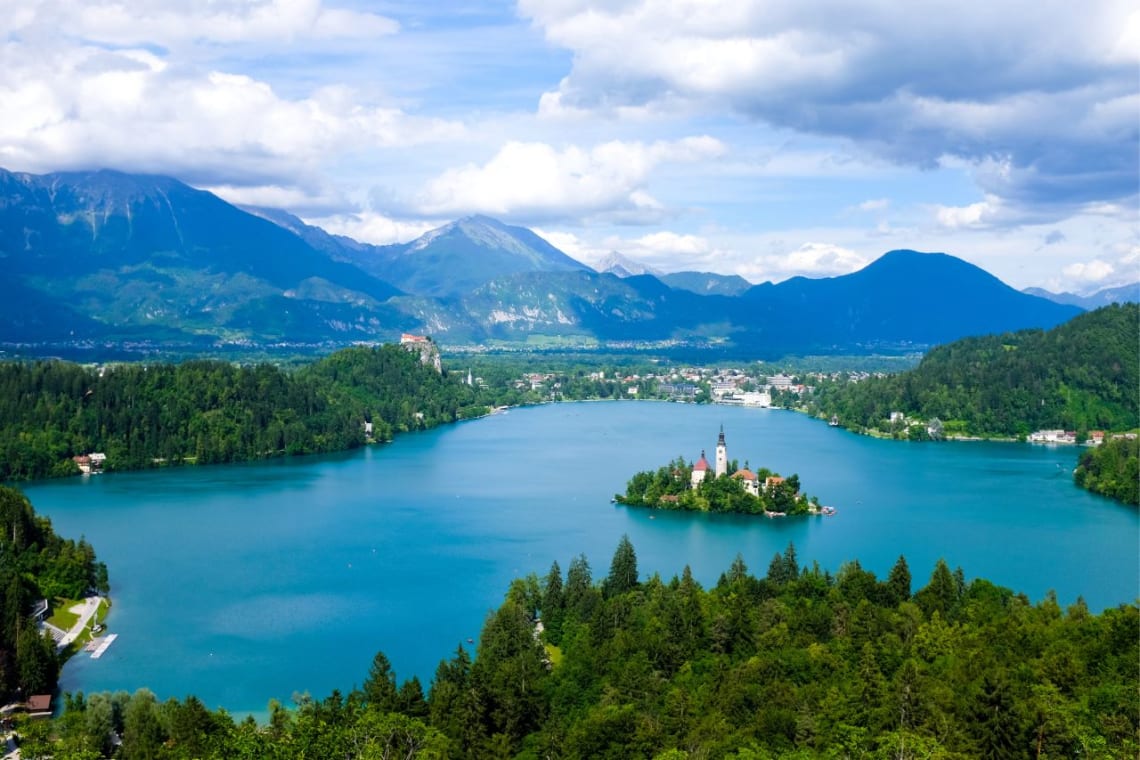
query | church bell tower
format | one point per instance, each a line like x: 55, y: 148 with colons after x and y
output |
x: 721, y: 455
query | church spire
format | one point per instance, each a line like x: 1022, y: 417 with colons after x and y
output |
x: 721, y: 455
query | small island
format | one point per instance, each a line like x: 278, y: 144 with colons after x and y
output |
x: 722, y: 487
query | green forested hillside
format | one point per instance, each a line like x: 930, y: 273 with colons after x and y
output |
x: 1082, y: 375
x: 798, y: 664
x: 142, y: 415
x: 36, y: 564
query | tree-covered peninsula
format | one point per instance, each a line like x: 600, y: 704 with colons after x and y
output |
x: 800, y: 664
x: 1082, y: 375
x: 1112, y: 469
x: 204, y: 411
x: 37, y: 567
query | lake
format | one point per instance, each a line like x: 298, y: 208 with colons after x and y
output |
x: 248, y: 582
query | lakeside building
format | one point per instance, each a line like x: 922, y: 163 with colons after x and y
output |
x: 1053, y: 436
x: 90, y: 463
x: 750, y: 480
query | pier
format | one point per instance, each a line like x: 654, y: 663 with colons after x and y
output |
x: 104, y: 644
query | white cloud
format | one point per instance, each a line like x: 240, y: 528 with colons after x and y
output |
x: 572, y: 245
x: 274, y: 196
x: 673, y: 244
x: 819, y: 259
x: 1052, y: 92
x: 876, y: 204
x: 974, y: 215
x: 536, y: 180
x: 171, y: 23
x: 87, y: 107
x: 1089, y: 271
x: 781, y: 259
x: 370, y: 227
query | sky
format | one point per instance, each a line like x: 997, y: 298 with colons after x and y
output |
x: 767, y: 139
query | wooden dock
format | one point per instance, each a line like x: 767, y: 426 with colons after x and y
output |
x: 104, y: 643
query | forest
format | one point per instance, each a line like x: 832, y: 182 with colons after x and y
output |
x: 670, y: 487
x: 205, y: 411
x: 800, y: 663
x: 1112, y: 469
x: 36, y: 564
x: 1082, y: 375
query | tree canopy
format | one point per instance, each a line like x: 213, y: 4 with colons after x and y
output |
x: 1082, y: 375
x: 145, y: 415
x: 799, y: 664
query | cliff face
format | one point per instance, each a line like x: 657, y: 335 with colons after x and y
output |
x: 426, y: 348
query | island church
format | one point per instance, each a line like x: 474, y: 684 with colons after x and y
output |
x: 701, y: 469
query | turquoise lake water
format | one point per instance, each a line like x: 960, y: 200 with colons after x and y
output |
x: 249, y: 582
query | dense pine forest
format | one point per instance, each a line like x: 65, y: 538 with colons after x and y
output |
x: 36, y: 564
x: 1082, y: 375
x: 146, y: 415
x: 799, y: 663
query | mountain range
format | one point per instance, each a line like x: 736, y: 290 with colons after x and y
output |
x: 110, y: 256
x: 1119, y: 294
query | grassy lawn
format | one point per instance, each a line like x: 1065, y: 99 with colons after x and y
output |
x: 61, y: 615
x: 103, y: 611
x: 85, y: 637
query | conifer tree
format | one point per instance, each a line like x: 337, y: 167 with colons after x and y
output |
x: 623, y: 569
x: 898, y: 582
x: 380, y: 686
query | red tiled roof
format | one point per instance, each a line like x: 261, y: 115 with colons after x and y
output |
x: 701, y: 465
x: 746, y: 474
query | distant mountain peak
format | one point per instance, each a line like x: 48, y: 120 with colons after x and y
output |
x: 479, y: 229
x: 620, y: 265
x: 467, y: 252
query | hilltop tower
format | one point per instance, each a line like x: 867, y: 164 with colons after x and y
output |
x: 721, y: 455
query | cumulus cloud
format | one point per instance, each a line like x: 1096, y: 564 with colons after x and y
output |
x: 1089, y: 271
x: 1053, y: 104
x: 535, y: 180
x: 371, y: 227
x: 810, y: 259
x: 133, y: 109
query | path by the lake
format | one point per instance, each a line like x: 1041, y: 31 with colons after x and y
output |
x: 86, y: 610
